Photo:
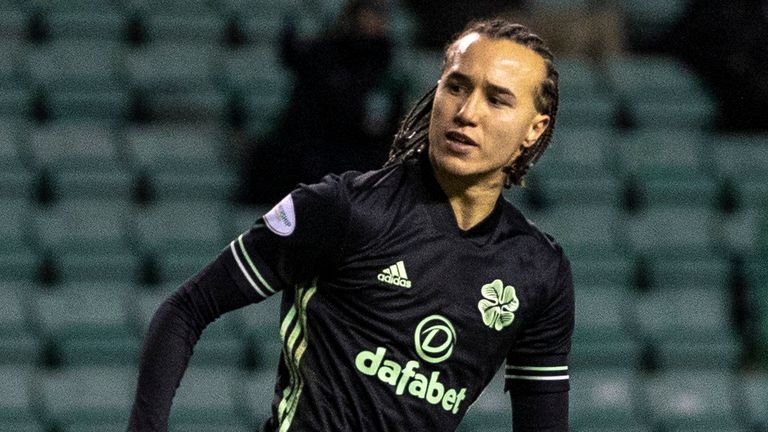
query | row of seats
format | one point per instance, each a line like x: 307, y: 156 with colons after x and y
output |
x: 101, y: 322
x: 602, y: 400
x: 583, y: 165
x: 200, y: 20
x: 685, y: 234
x: 104, y: 324
x: 617, y: 399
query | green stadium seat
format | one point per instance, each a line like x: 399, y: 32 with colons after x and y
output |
x: 422, y: 67
x: 754, y: 387
x: 673, y: 232
x: 166, y: 66
x: 688, y: 327
x: 712, y: 429
x: 86, y: 226
x: 597, y: 191
x: 690, y: 398
x: 98, y: 427
x: 271, y: 77
x: 205, y: 397
x: 168, y: 7
x: 88, y: 326
x: 75, y: 65
x: 72, y: 5
x: 22, y: 426
x: 757, y: 275
x: 649, y: 79
x: 17, y: 342
x: 103, y: 23
x: 92, y: 185
x: 611, y: 271
x: 86, y: 395
x: 197, y: 149
x: 16, y: 399
x: 578, y: 153
x: 16, y: 181
x: 253, y: 397
x: 664, y: 154
x: 13, y: 21
x: 112, y: 267
x: 604, y: 397
x: 75, y: 146
x: 739, y: 156
x: 180, y: 227
x: 210, y: 187
x: 709, y: 273
x: 183, y: 26
x: 601, y: 337
x: 189, y: 106
x: 18, y: 261
x: 221, y: 343
x: 745, y: 232
x: 597, y: 111
x: 584, y: 231
x: 574, y: 170
x: 103, y: 105
x: 15, y: 234
x: 15, y: 102
x: 636, y: 428
x: 699, y: 192
x: 753, y: 193
x: 11, y: 57
x: 579, y: 79
x: 696, y: 114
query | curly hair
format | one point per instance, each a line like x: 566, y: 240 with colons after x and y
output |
x: 413, y: 134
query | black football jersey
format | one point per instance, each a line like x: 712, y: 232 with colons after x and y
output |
x: 392, y: 317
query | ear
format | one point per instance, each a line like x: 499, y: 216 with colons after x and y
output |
x: 538, y: 126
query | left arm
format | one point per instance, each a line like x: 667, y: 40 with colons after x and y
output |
x: 537, y: 373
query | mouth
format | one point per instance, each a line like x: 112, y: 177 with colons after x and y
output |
x: 460, y: 138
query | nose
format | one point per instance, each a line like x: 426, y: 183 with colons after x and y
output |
x: 468, y: 111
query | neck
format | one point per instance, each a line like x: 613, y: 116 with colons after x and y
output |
x: 472, y: 199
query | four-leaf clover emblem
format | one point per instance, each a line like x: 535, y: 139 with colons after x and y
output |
x: 499, y: 305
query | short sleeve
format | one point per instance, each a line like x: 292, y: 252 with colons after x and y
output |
x: 538, y: 362
x: 301, y: 238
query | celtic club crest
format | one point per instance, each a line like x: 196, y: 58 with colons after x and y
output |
x: 498, y: 305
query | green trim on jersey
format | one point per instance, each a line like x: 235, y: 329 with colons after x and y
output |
x: 292, y: 353
x: 253, y: 267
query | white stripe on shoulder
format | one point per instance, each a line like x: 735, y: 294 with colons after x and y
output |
x: 538, y: 378
x: 242, y: 269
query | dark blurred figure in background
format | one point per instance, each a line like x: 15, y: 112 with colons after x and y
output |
x: 589, y: 29
x: 343, y: 110
x: 441, y: 19
x: 726, y: 41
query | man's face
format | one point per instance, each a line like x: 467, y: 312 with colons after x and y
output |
x: 484, y: 113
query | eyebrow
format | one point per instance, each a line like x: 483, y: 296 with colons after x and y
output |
x: 464, y: 79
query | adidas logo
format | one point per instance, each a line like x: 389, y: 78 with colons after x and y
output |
x: 395, y: 275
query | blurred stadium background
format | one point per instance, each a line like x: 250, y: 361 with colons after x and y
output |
x: 118, y: 164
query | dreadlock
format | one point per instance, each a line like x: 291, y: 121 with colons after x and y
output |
x: 412, y: 137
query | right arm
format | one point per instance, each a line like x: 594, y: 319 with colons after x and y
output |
x: 175, y: 328
x: 297, y: 240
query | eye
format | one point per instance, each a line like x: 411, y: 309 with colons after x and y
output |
x: 497, y: 101
x: 453, y: 87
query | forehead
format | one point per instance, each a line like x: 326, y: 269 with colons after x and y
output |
x: 500, y: 61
